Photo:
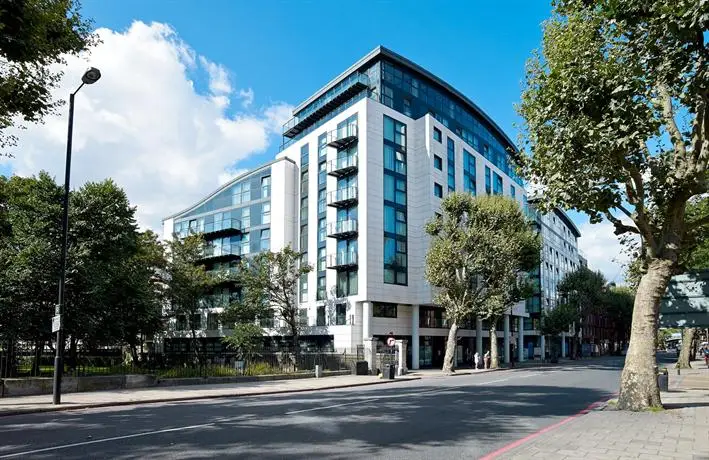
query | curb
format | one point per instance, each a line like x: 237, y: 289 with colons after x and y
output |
x: 187, y: 398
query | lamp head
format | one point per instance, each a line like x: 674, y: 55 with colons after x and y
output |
x: 91, y: 76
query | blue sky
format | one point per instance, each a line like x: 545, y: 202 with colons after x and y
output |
x: 281, y: 52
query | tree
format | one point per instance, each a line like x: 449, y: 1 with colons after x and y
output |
x: 478, y: 247
x: 557, y: 320
x: 615, y: 112
x: 35, y: 38
x: 684, y: 359
x: 187, y: 283
x: 271, y: 279
x: 582, y: 289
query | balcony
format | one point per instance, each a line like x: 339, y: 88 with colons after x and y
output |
x: 223, y: 252
x: 342, y: 229
x: 326, y: 103
x: 342, y: 198
x: 342, y: 260
x: 344, y: 165
x: 222, y: 228
x: 342, y: 137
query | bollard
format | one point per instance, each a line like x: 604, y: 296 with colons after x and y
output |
x: 318, y: 371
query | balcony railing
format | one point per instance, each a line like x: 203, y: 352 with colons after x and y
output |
x: 222, y: 227
x: 343, y: 197
x: 326, y: 103
x: 342, y: 260
x: 342, y: 137
x: 343, y: 165
x: 342, y: 228
x: 225, y: 251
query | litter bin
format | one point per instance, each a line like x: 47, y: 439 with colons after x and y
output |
x: 663, y: 380
x: 388, y: 372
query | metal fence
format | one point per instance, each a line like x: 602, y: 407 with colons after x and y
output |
x: 21, y: 363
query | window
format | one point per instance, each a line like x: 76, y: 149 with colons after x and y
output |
x: 395, y: 190
x: 181, y: 323
x: 451, y: 164
x: 320, y: 320
x: 303, y: 238
x: 304, y: 183
x: 340, y: 314
x: 322, y: 255
x: 304, y: 288
x: 384, y: 310
x: 245, y: 246
x: 322, y: 206
x: 322, y: 230
x: 266, y: 213
x: 437, y: 190
x: 321, y: 293
x: 437, y: 135
x: 241, y: 193
x: 322, y: 174
x: 265, y: 187
x: 212, y: 321
x: 322, y: 146
x: 488, y: 180
x: 346, y: 283
x: 407, y: 107
x: 438, y: 162
x: 394, y: 160
x: 469, y: 171
x: 395, y: 131
x: 266, y: 239
x: 497, y: 184
x: 304, y: 209
x: 394, y: 220
x: 513, y: 191
x: 304, y: 156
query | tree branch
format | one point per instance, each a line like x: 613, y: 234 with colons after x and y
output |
x: 620, y: 227
x: 668, y: 115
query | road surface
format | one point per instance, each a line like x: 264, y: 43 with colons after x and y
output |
x: 466, y: 416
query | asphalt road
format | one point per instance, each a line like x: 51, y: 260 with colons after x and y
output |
x: 463, y: 416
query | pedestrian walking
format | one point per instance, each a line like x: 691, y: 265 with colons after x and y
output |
x: 476, y: 360
x: 487, y: 359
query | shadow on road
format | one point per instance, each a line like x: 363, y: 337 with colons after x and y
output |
x: 357, y: 423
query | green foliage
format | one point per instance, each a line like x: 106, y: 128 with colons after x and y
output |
x: 584, y: 290
x: 245, y: 336
x: 557, y: 320
x: 35, y: 38
x: 269, y: 284
x: 618, y: 307
x: 696, y: 256
x: 478, y: 248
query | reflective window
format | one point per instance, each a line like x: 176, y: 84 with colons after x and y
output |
x: 438, y: 162
x: 437, y: 135
x: 437, y: 190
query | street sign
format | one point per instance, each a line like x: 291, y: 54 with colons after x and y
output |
x: 391, y: 341
x: 56, y: 323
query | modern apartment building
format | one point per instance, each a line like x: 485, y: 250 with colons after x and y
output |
x: 560, y: 255
x: 365, y: 162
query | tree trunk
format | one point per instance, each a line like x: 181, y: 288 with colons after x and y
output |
x: 448, y: 364
x: 684, y: 359
x: 36, y: 370
x: 638, y: 383
x: 493, y: 344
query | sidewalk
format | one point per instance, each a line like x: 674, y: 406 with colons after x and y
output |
x: 70, y: 401
x: 681, y: 431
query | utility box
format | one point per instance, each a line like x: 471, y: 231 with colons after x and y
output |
x: 360, y: 368
x: 663, y: 380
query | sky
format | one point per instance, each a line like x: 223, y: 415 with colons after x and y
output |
x: 191, y: 95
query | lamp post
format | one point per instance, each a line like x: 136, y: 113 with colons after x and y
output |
x: 90, y: 77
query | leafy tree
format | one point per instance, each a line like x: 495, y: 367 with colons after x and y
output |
x: 187, y: 283
x: 583, y: 289
x: 618, y: 304
x: 557, y: 320
x: 35, y: 38
x: 616, y: 107
x: 696, y: 257
x: 271, y: 279
x: 478, y: 247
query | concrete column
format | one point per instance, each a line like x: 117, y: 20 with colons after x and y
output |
x: 370, y: 353
x: 415, y: 337
x: 542, y: 345
x: 479, y: 336
x: 506, y: 329
x: 401, y: 348
x: 563, y: 344
x: 520, y: 337
x: 366, y: 320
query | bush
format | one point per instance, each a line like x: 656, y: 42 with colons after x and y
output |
x: 261, y: 369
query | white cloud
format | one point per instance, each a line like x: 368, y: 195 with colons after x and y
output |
x: 145, y: 125
x: 603, y: 250
x: 228, y: 175
x: 247, y: 97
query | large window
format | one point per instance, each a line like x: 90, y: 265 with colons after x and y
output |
x: 320, y: 319
x: 346, y: 283
x: 488, y: 180
x: 384, y: 310
x: 340, y: 314
x: 241, y: 193
x: 322, y: 255
x: 322, y: 230
x: 265, y: 187
x: 437, y: 190
x: 321, y: 293
x: 437, y: 135
x: 266, y: 213
x: 395, y: 198
x: 438, y: 162
x: 265, y: 239
x: 451, y: 165
x: 304, y: 156
x: 322, y: 146
x: 513, y: 191
x: 322, y: 174
x: 469, y: 171
x: 497, y: 184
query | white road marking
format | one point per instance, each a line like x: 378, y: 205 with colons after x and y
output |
x: 98, y: 441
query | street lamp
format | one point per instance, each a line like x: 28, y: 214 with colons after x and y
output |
x: 90, y: 77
